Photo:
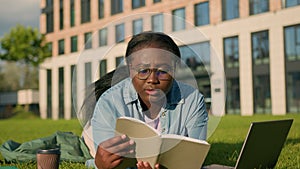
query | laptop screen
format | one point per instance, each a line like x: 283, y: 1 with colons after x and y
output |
x: 263, y: 144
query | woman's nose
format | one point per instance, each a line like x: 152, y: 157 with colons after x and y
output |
x: 153, y: 77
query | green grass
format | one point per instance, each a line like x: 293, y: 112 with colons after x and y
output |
x: 226, y: 141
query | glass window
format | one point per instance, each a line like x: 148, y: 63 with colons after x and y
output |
x: 85, y: 11
x: 119, y: 61
x: 61, y: 47
x: 87, y: 73
x: 49, y: 3
x: 258, y: 6
x: 61, y: 14
x: 155, y: 1
x: 293, y: 92
x: 74, y: 44
x: 103, y: 37
x: 49, y: 93
x: 100, y: 9
x: 61, y: 105
x: 230, y: 9
x: 73, y: 91
x: 137, y: 3
x: 233, y: 96
x: 88, y: 40
x: 262, y: 94
x: 260, y: 47
x: 231, y: 52
x: 49, y: 44
x: 120, y: 33
x: 201, y: 13
x: 290, y: 3
x: 197, y: 58
x: 49, y: 22
x: 48, y: 10
x: 157, y: 23
x: 292, y: 42
x: 178, y: 18
x: 137, y: 26
x: 116, y: 6
x: 72, y: 13
x: 103, y: 67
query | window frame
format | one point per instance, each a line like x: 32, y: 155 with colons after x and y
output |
x: 256, y: 6
x: 199, y: 8
x: 120, y: 33
x: 178, y: 21
x: 225, y: 12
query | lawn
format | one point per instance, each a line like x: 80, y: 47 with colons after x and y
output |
x: 226, y: 141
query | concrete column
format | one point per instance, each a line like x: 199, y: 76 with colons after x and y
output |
x: 217, y: 76
x: 167, y: 22
x: 77, y: 6
x: 189, y: 16
x: 277, y: 71
x: 246, y: 85
x: 43, y: 92
x: 55, y: 109
x: 80, y: 84
x: 94, y: 10
x: 215, y: 14
x: 147, y: 22
x: 67, y: 16
x: 244, y: 8
x: 275, y: 6
x: 67, y: 91
x: 56, y: 8
x: 42, y: 17
x: 107, y: 9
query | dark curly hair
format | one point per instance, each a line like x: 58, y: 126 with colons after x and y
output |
x: 153, y: 40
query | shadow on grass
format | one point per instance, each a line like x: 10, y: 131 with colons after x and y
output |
x: 223, y: 153
x: 228, y: 153
x: 292, y: 141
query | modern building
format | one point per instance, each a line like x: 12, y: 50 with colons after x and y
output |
x: 10, y: 100
x: 244, y: 54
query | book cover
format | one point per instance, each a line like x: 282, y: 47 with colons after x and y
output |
x: 169, y: 150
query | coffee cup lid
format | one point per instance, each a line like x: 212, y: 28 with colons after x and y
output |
x: 49, y: 151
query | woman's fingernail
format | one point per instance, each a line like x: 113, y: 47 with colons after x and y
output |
x: 123, y: 136
x: 131, y: 142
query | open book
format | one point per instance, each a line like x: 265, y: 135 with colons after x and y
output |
x: 170, y: 151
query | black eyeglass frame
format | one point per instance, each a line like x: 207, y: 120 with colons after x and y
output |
x: 160, y: 73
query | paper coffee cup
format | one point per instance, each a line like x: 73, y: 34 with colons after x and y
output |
x: 48, y: 158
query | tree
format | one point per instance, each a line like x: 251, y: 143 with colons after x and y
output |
x: 25, y: 45
x: 11, y: 73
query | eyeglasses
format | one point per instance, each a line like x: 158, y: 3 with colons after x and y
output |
x: 161, y: 73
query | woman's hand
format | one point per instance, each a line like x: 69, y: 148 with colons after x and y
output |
x: 109, y: 153
x: 146, y: 165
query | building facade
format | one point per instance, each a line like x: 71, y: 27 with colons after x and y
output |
x: 244, y: 54
x: 10, y: 100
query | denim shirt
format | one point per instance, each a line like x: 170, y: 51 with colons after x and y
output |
x: 183, y: 114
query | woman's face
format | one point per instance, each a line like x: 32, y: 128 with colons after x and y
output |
x: 152, y: 72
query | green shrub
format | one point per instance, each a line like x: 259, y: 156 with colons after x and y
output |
x: 20, y: 112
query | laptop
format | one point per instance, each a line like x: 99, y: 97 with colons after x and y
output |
x: 262, y: 145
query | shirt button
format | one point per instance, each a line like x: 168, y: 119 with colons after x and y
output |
x: 163, y: 114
